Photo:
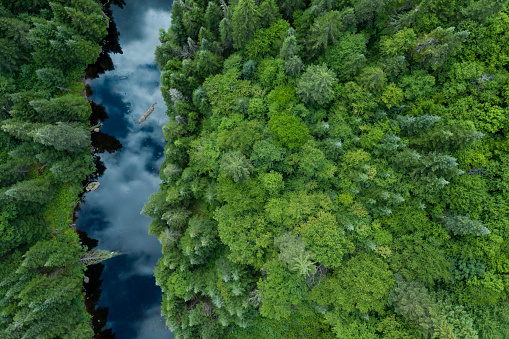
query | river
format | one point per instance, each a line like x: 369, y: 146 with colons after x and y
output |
x: 128, y: 176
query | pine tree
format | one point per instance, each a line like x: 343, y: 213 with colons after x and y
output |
x: 62, y: 137
x: 73, y: 168
x: 414, y: 302
x: 34, y: 190
x: 52, y: 77
x: 65, y: 108
x: 13, y: 43
x: 294, y: 66
x: 290, y: 47
x: 462, y: 225
x: 328, y: 28
x: 317, y: 85
x: 176, y: 217
x: 177, y: 29
x: 19, y: 129
x: 213, y: 16
x: 245, y: 21
x: 439, y: 45
x: 269, y: 12
x: 236, y: 166
x: 288, y: 7
x: 414, y: 125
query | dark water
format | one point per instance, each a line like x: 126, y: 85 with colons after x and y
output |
x: 128, y: 175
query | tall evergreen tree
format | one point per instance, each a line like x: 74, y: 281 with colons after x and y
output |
x: 245, y: 21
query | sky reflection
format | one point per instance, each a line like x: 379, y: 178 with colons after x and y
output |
x: 111, y: 213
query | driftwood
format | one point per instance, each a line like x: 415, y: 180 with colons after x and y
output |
x: 39, y: 169
x: 96, y: 127
x: 147, y: 113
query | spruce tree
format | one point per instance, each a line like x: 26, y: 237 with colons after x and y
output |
x: 245, y: 21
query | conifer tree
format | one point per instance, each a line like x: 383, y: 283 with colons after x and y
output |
x: 64, y: 108
x: 213, y: 16
x: 34, y: 190
x: 462, y: 225
x: 245, y: 20
x: 328, y: 28
x: 62, y: 137
x: 236, y: 166
x: 317, y: 85
x: 52, y: 77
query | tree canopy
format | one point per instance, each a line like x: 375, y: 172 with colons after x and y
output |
x: 341, y: 170
x: 45, y: 155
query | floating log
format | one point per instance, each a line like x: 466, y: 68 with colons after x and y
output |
x: 147, y: 113
x: 96, y: 127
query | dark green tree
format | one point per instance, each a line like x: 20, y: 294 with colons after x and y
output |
x: 65, y: 108
x: 317, y: 85
x: 34, y: 190
x: 245, y: 20
x: 62, y: 137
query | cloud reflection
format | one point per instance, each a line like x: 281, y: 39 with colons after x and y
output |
x: 111, y: 214
x: 150, y: 327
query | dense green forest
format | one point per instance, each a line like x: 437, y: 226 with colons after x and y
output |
x: 45, y: 155
x: 335, y: 168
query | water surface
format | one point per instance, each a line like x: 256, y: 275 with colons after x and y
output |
x: 111, y: 214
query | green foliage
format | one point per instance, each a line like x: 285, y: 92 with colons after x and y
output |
x: 348, y: 55
x: 213, y: 16
x: 289, y: 130
x: 36, y: 190
x: 435, y: 47
x: 271, y: 73
x: 462, y: 225
x: 269, y: 12
x: 245, y: 20
x: 361, y: 285
x: 326, y: 239
x: 327, y: 28
x: 64, y: 108
x: 52, y: 77
x: 317, y: 85
x: 236, y: 166
x: 62, y: 137
x: 294, y: 66
x: 342, y: 172
x: 45, y: 48
x: 280, y: 290
x: 267, y: 41
x: 418, y: 259
x: 438, y: 318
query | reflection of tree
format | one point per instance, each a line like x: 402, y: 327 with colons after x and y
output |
x: 99, y: 165
x: 103, y: 142
x: 104, y: 63
x: 92, y: 293
x: 98, y: 113
x: 119, y: 3
x: 92, y: 290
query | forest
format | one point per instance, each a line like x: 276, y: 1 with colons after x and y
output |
x: 45, y: 154
x: 334, y: 169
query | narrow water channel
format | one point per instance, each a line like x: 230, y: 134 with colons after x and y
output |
x: 111, y: 214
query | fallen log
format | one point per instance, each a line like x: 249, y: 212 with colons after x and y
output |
x: 147, y: 113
